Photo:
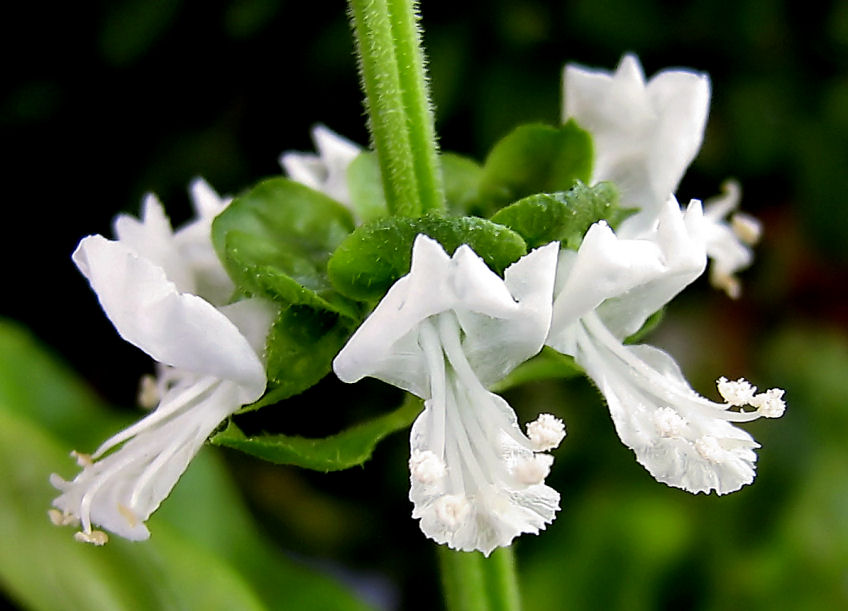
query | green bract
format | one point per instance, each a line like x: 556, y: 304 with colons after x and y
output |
x: 563, y: 216
x: 275, y: 241
x: 368, y: 262
x: 347, y: 449
x: 535, y: 159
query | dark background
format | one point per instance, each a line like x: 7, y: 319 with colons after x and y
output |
x: 104, y: 101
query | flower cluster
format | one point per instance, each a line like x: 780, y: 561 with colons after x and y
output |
x: 165, y: 291
x: 448, y: 330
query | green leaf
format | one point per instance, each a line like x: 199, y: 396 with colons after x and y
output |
x: 366, y: 187
x: 462, y: 183
x: 275, y: 240
x: 375, y: 255
x: 547, y: 365
x: 564, y: 216
x: 347, y: 449
x: 299, y: 351
x: 536, y: 159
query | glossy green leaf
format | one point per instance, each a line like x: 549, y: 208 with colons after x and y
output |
x: 536, y: 159
x: 347, y: 449
x: 375, y: 255
x: 563, y: 216
x: 275, y: 240
x: 366, y: 187
x: 207, y: 555
x: 299, y: 351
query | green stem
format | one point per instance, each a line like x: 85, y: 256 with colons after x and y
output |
x: 391, y: 63
x: 472, y: 582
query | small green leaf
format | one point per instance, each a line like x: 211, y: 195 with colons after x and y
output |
x: 299, y: 351
x: 536, y: 159
x: 375, y: 255
x: 347, y: 449
x: 564, y: 216
x: 366, y: 187
x: 462, y: 183
x: 547, y: 365
x: 275, y: 240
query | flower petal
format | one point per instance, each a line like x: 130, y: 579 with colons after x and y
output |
x: 626, y: 280
x: 682, y: 439
x: 645, y: 136
x: 385, y: 345
x: 174, y: 328
x: 121, y: 491
x: 476, y: 480
x: 327, y: 171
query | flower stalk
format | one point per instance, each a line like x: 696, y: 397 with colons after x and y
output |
x: 472, y: 582
x: 391, y: 64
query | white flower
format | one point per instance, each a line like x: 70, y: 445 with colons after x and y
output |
x: 209, y: 356
x: 605, y: 292
x: 327, y: 171
x: 728, y: 245
x: 645, y: 134
x: 445, y: 332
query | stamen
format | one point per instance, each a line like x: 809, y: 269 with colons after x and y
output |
x: 95, y: 537
x: 452, y: 509
x: 770, y: 403
x: 428, y: 339
x: 60, y: 518
x: 727, y: 282
x: 746, y: 227
x: 546, y: 432
x: 426, y: 467
x: 184, y: 399
x: 530, y: 471
x: 148, y: 392
x: 83, y: 460
x: 738, y: 393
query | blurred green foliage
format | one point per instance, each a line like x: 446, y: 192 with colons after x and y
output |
x: 104, y: 101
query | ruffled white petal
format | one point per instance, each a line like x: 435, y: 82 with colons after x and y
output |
x: 645, y: 135
x: 178, y: 329
x: 604, y: 293
x: 327, y: 171
x: 476, y: 479
x: 681, y: 438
